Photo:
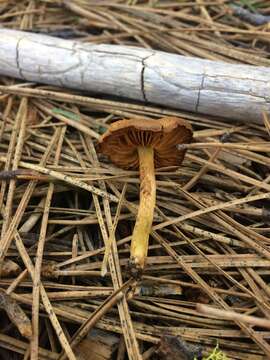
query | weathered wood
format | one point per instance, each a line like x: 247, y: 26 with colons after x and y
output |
x: 175, y: 348
x: 99, y: 345
x: 16, y: 314
x: 9, y: 268
x: 233, y: 91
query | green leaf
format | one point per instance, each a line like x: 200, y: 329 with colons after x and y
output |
x: 248, y: 4
x: 101, y: 129
x: 66, y: 113
x: 216, y: 354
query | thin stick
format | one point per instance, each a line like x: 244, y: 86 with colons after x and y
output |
x: 85, y: 328
x: 55, y: 323
x: 232, y: 315
x: 39, y: 255
x: 108, y: 245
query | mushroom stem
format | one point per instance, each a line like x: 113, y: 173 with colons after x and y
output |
x: 140, y: 236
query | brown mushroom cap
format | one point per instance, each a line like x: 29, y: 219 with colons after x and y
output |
x: 122, y: 139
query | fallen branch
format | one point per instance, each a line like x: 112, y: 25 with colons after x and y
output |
x: 239, y: 92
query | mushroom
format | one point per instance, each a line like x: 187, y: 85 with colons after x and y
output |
x: 145, y: 145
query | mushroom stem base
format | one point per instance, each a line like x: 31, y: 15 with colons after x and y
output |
x: 143, y: 225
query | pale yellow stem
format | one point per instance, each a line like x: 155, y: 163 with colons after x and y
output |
x: 143, y: 225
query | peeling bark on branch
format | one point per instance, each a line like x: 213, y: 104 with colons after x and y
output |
x: 239, y: 92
